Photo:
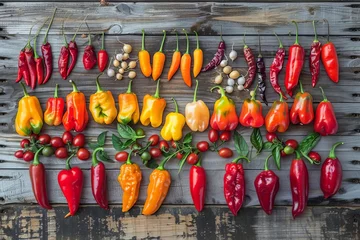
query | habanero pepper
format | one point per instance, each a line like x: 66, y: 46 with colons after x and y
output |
x: 89, y: 57
x: 250, y: 60
x: 174, y: 124
x: 325, y: 120
x: 331, y: 173
x: 260, y: 65
x: 54, y: 109
x: 314, y: 58
x: 144, y: 58
x: 23, y: 70
x: 302, y: 110
x: 128, y: 107
x: 224, y: 117
x: 98, y: 180
x: 197, y: 186
x: 276, y: 68
x: 277, y: 119
x: 329, y: 58
x: 103, y: 56
x: 159, y: 60
x: 251, y: 112
x: 175, y: 61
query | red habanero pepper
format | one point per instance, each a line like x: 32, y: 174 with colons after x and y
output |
x: 329, y: 58
x: 314, y: 58
x: 251, y: 112
x: 267, y: 186
x: 98, y: 180
x: 89, y: 57
x: 302, y: 110
x: 250, y: 60
x: 299, y: 183
x: 198, y: 185
x: 276, y: 68
x: 38, y: 181
x: 331, y: 174
x: 325, y: 120
x: 71, y: 184
x: 277, y: 119
x: 215, y: 61
x: 23, y: 70
x: 103, y: 56
x: 64, y: 57
x: 294, y: 65
x: 54, y: 109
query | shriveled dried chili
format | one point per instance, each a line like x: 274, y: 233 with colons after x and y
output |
x: 276, y: 68
x: 215, y: 61
x: 314, y: 58
x: 260, y: 65
x: 250, y: 60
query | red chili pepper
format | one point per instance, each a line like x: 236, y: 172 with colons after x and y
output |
x: 302, y: 110
x: 89, y: 57
x: 330, y: 59
x: 103, y: 56
x: 38, y: 181
x: 23, y: 70
x: 64, y: 57
x: 267, y: 186
x: 276, y: 68
x: 54, y: 109
x: 29, y: 54
x: 71, y: 183
x: 98, y: 181
x: 250, y: 60
x: 294, y: 65
x: 74, y: 51
x: 314, y: 59
x: 299, y: 182
x: 325, y: 120
x: 198, y: 185
x: 39, y: 60
x: 331, y: 174
x: 217, y: 57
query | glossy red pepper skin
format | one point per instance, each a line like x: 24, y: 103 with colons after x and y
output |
x: 29, y: 53
x: 325, y: 120
x: 48, y: 61
x: 251, y: 113
x: 331, y: 174
x: 98, y: 181
x: 74, y: 52
x: 39, y: 70
x: 103, y: 56
x: 63, y: 61
x: 89, y: 57
x: 329, y: 58
x: 302, y: 110
x: 23, y: 70
x: 198, y: 186
x: 267, y: 186
x: 234, y: 186
x: 276, y: 67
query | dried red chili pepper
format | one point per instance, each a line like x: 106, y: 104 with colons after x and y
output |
x: 64, y: 57
x: 329, y: 58
x: 331, y: 174
x: 98, y: 180
x: 260, y: 65
x: 276, y: 68
x: 23, y: 70
x: 325, y: 120
x: 250, y: 60
x: 103, y: 56
x: 217, y: 57
x: 89, y: 57
x: 314, y: 58
x: 302, y: 110
x: 198, y: 185
x: 294, y: 65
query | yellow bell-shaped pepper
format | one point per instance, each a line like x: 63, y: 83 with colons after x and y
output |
x: 128, y: 107
x: 102, y: 105
x: 197, y: 114
x: 29, y: 118
x: 174, y: 123
x: 153, y: 109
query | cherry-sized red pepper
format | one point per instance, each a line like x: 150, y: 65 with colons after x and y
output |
x: 276, y: 68
x: 314, y: 59
x: 325, y: 120
x: 198, y: 185
x: 250, y: 60
x: 98, y: 180
x: 294, y: 65
x: 23, y: 70
x: 302, y: 110
x: 103, y: 56
x: 64, y: 57
x: 89, y: 57
x: 329, y: 58
x: 331, y: 174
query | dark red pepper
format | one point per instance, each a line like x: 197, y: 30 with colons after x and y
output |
x: 23, y: 70
x: 64, y: 57
x: 314, y: 59
x: 98, y: 181
x: 89, y: 57
x: 260, y: 65
x: 29, y: 54
x: 39, y: 60
x: 198, y: 185
x: 276, y: 68
x: 215, y: 61
x: 250, y: 60
x: 74, y: 51
x: 103, y: 56
x: 325, y: 120
x: 331, y: 174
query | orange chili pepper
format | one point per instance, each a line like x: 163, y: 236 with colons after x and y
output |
x: 144, y: 58
x: 185, y: 64
x: 302, y: 110
x: 198, y: 57
x: 159, y: 60
x: 175, y: 62
x: 277, y: 118
x: 251, y: 112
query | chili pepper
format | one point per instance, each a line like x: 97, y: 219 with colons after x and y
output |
x: 197, y: 114
x: 251, y: 112
x: 331, y: 174
x: 89, y: 57
x: 277, y: 119
x: 29, y: 54
x: 302, y: 110
x: 39, y: 60
x: 276, y: 68
x: 294, y: 65
x: 175, y: 62
x: 325, y: 120
x: 73, y: 51
x: 185, y: 64
x: 98, y: 180
x: 29, y: 118
x: 102, y: 105
x: 260, y: 65
x: 250, y: 60
x: 198, y: 185
x: 54, y: 109
x: 174, y: 124
x: 71, y: 183
x: 158, y: 60
x: 23, y: 70
x: 128, y: 107
x: 299, y: 182
x: 314, y: 58
x: 47, y: 53
x: 329, y: 58
x: 64, y: 57
x: 215, y: 61
x: 76, y: 116
x: 198, y: 57
x: 129, y: 179
x: 38, y: 181
x: 153, y: 109
x: 267, y: 186
x: 144, y: 58
x: 103, y: 56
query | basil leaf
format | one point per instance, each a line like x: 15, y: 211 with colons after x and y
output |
x: 277, y: 157
x: 103, y: 156
x: 241, y: 146
x: 309, y: 142
x: 101, y: 139
x: 93, y: 146
x: 151, y: 164
x: 188, y: 138
x: 256, y: 140
x: 117, y: 143
x: 126, y: 131
x: 183, y: 160
x: 267, y: 145
x: 128, y: 143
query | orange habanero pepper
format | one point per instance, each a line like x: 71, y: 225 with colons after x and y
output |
x: 277, y: 118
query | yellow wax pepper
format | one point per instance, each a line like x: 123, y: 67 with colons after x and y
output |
x: 102, y: 105
x: 128, y: 107
x: 197, y: 114
x: 174, y: 123
x: 29, y: 118
x: 153, y: 109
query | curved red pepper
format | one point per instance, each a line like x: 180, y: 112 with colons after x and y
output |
x: 314, y: 59
x: 330, y: 59
x: 198, y: 185
x: 234, y: 186
x: 250, y: 60
x: 103, y: 56
x: 29, y: 53
x: 325, y: 120
x: 302, y: 110
x: 98, y: 181
x: 74, y: 52
x: 64, y: 59
x: 23, y: 70
x: 331, y: 174
x: 89, y: 57
x: 276, y: 68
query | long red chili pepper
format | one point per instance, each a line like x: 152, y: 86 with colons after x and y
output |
x: 89, y: 57
x: 294, y: 65
x: 23, y: 70
x: 198, y: 185
x: 64, y: 57
x: 260, y: 65
x: 98, y: 181
x: 74, y: 51
x: 325, y: 120
x: 29, y: 54
x: 103, y: 56
x: 217, y: 57
x: 329, y: 58
x: 39, y: 59
x: 331, y: 174
x: 276, y: 68
x: 314, y: 58
x: 250, y: 60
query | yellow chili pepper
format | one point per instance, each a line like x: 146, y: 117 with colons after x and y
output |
x: 29, y: 118
x: 128, y: 107
x: 153, y: 109
x: 102, y: 105
x: 197, y: 114
x: 174, y: 123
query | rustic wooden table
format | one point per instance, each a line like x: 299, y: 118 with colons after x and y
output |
x: 337, y: 218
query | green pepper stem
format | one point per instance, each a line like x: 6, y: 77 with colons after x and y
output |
x: 222, y: 92
x: 196, y: 89
x: 129, y: 86
x: 24, y: 89
x: 266, y: 162
x: 36, y: 56
x: 128, y: 160
x: 67, y: 166
x: 254, y: 97
x: 298, y: 155
x: 198, y: 164
x: 163, y: 41
x: 177, y: 42
x: 236, y: 160
x: 187, y: 42
x: 62, y: 30
x: 36, y: 156
x: 157, y: 94
x: 77, y: 30
x: 176, y: 105
x: 28, y: 45
x: 328, y: 29
x: 314, y: 27
x: 56, y: 91
x: 332, y: 151
x: 94, y: 159
x: 221, y: 38
x: 323, y: 94
x: 47, y: 31
x: 280, y: 43
x: 281, y: 97
x: 301, y: 87
x: 297, y: 33
x: 75, y: 89
x: 197, y: 40
x: 143, y: 40
x: 163, y: 162
x: 98, y: 87
x: 245, y: 46
x: 103, y: 41
x: 89, y: 36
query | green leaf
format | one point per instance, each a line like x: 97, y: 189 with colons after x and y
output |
x: 267, y: 145
x: 128, y: 143
x: 183, y: 160
x: 126, y: 131
x: 241, y: 146
x: 117, y: 143
x: 103, y: 156
x: 277, y: 157
x: 101, y: 139
x: 309, y: 142
x: 188, y: 138
x: 257, y: 140
x: 93, y: 146
x: 151, y: 164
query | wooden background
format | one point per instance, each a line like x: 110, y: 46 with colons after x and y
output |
x: 337, y: 218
